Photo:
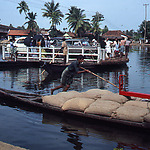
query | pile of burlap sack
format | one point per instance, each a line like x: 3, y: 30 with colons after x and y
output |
x: 103, y: 103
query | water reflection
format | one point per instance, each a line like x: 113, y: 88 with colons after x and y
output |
x: 75, y: 129
x: 31, y: 80
x: 87, y: 81
x: 139, y: 69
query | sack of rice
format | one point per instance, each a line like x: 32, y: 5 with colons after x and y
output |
x: 137, y: 103
x: 114, y: 97
x: 68, y: 95
x: 60, y: 98
x: 94, y: 93
x: 148, y: 105
x: 102, y: 107
x: 131, y: 113
x: 147, y: 118
x: 79, y: 104
x: 54, y: 100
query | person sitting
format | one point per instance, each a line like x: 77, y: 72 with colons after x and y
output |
x: 68, y: 74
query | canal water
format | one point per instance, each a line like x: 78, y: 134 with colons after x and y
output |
x: 36, y: 130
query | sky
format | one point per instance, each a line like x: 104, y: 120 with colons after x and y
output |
x: 118, y: 14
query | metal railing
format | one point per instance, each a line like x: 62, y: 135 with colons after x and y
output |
x: 54, y: 54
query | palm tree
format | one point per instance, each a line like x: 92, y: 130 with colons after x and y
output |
x: 77, y: 21
x: 53, y: 13
x: 23, y: 6
x: 96, y: 22
x: 32, y: 24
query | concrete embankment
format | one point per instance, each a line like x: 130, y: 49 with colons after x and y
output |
x: 5, y: 146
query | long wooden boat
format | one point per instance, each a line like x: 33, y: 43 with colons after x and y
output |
x: 35, y: 101
x: 4, y: 65
x: 93, y: 66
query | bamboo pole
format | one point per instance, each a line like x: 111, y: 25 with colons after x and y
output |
x: 99, y: 77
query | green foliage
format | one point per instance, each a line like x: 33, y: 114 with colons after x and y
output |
x: 21, y: 27
x: 32, y: 25
x: 105, y: 29
x: 141, y: 29
x: 23, y: 7
x: 97, y: 18
x: 52, y: 12
x: 77, y: 21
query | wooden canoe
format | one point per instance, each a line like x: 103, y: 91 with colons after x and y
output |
x: 93, y: 66
x: 35, y: 101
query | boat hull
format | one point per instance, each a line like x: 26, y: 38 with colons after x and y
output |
x: 35, y: 102
x: 98, y: 67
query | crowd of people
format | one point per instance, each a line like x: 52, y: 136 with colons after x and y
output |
x: 117, y: 48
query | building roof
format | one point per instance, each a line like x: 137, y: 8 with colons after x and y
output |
x: 4, y: 29
x: 18, y: 32
x: 70, y: 34
x: 45, y: 31
x: 114, y: 34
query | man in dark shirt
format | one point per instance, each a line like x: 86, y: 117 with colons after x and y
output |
x: 68, y: 74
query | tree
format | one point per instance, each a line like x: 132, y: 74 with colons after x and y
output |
x: 23, y: 6
x: 105, y: 29
x: 142, y: 29
x: 96, y: 22
x: 77, y: 21
x: 32, y: 24
x: 53, y: 13
x: 21, y: 27
x: 97, y: 18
